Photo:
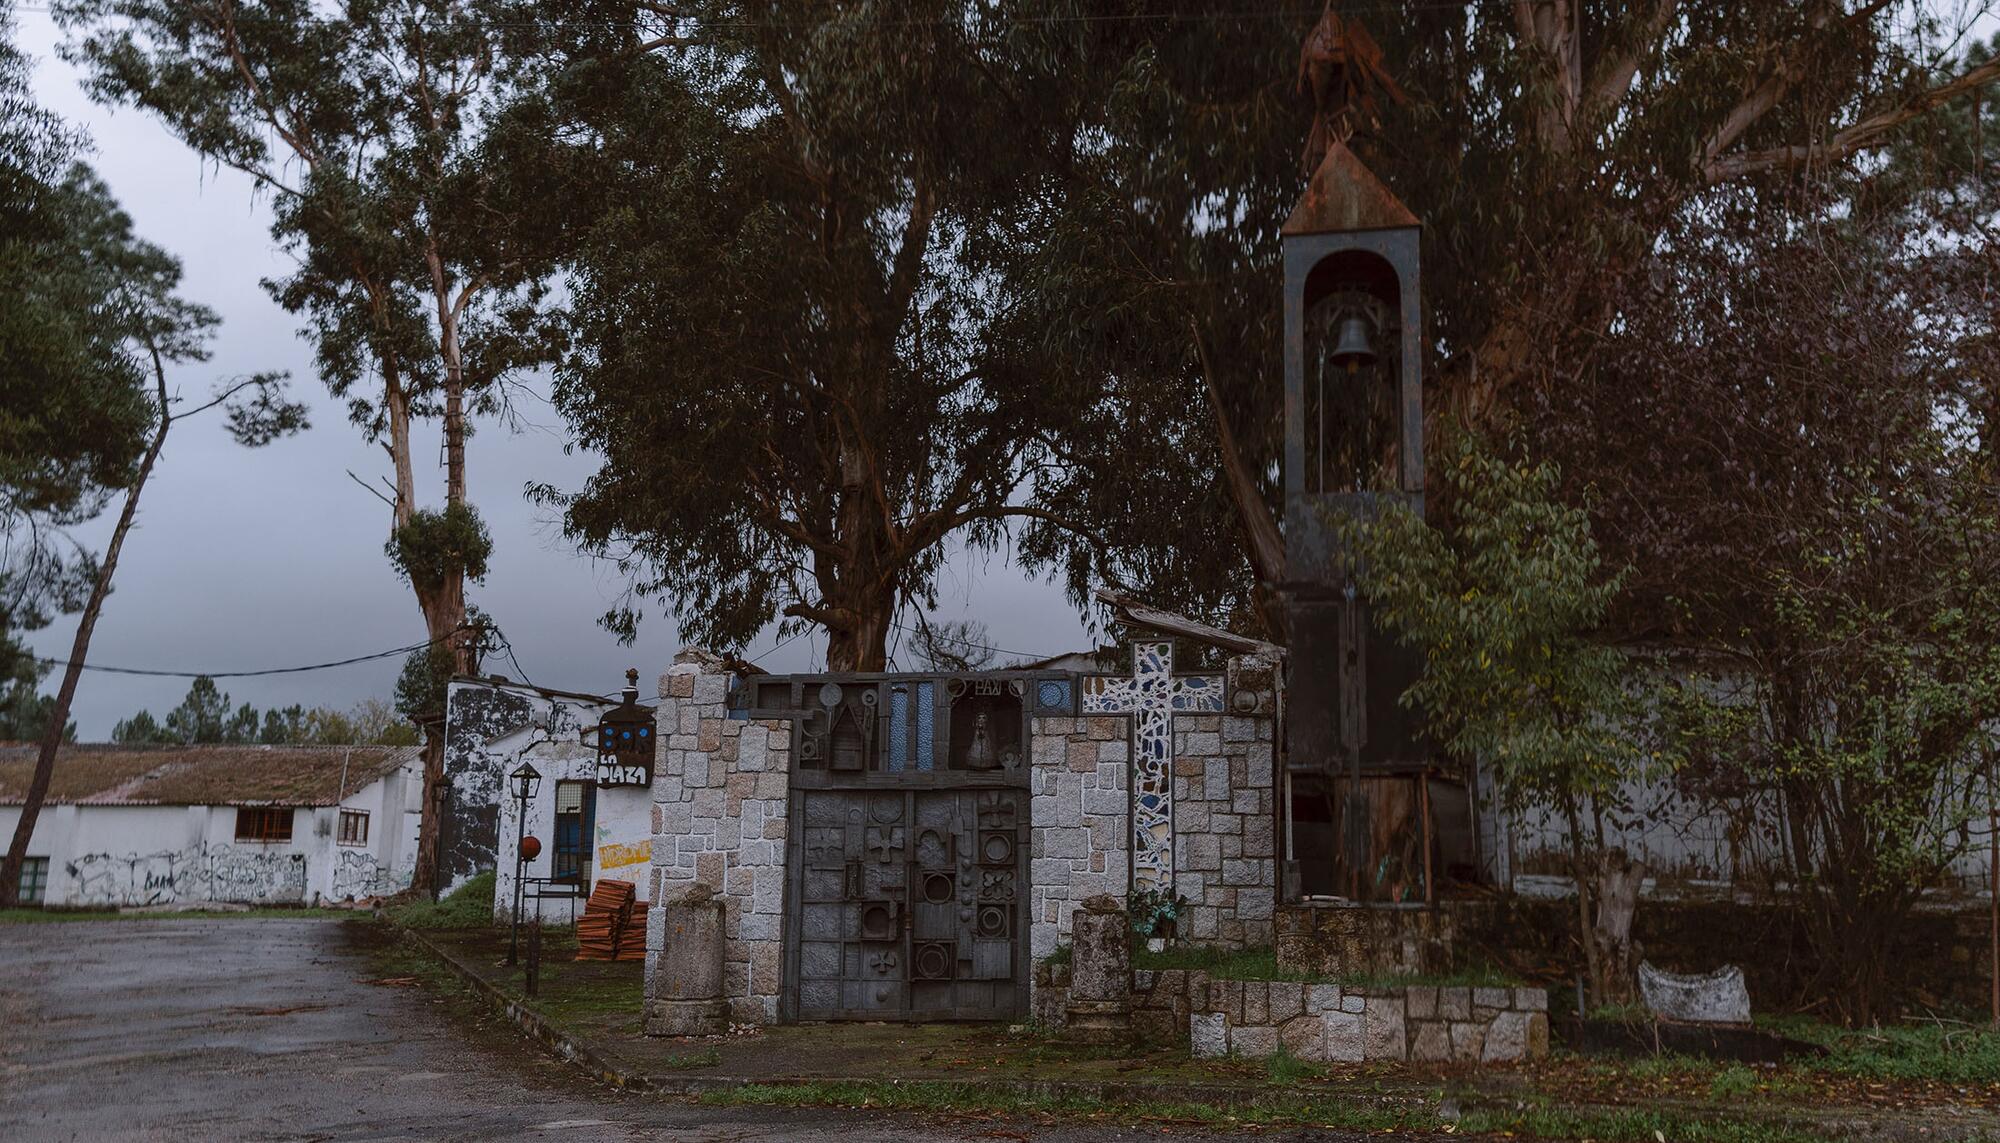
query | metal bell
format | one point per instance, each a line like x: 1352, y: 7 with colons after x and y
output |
x: 1353, y: 349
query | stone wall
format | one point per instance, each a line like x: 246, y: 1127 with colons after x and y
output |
x: 1225, y: 813
x: 1344, y: 940
x: 720, y: 799
x: 1079, y: 812
x: 1327, y: 1023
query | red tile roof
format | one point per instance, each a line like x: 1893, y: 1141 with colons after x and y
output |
x: 94, y: 775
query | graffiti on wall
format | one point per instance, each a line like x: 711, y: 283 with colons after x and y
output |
x: 490, y: 729
x: 358, y: 873
x: 198, y: 873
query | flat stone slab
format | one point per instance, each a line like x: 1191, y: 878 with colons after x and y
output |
x: 1718, y: 997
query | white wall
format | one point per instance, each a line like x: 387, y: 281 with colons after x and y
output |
x: 158, y: 855
x: 621, y: 841
x: 491, y: 730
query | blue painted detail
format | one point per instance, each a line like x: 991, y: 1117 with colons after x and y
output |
x: 1053, y: 694
x: 926, y: 726
x: 899, y: 727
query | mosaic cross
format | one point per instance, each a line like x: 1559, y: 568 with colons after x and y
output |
x: 1152, y: 696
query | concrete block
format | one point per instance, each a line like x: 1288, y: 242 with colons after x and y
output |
x: 1383, y: 1029
x: 1531, y: 999
x: 1454, y: 1004
x: 1254, y: 1043
x: 1304, y: 1037
x: 1506, y: 1039
x: 1431, y: 1042
x: 1345, y: 1042
x: 1286, y: 1000
x: 1468, y: 1040
x: 1420, y: 1003
x: 1208, y: 1035
x: 1322, y: 998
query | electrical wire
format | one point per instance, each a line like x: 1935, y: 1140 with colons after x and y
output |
x: 64, y: 663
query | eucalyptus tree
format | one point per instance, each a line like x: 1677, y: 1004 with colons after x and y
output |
x: 143, y: 326
x: 1547, y: 145
x: 782, y: 299
x: 72, y: 420
x: 417, y: 230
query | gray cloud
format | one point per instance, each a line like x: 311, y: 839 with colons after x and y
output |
x: 249, y: 559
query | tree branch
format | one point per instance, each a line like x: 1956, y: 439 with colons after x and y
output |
x: 1267, y: 546
x: 1859, y: 136
x: 1762, y: 98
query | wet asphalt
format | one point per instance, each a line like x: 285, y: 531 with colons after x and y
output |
x: 254, y: 1029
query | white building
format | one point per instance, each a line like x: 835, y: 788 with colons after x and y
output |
x: 156, y: 825
x: 588, y: 829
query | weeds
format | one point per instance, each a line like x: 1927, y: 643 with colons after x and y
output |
x: 468, y: 906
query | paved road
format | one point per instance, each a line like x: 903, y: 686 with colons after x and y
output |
x: 245, y: 1029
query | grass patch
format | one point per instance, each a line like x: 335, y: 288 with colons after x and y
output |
x: 706, y: 1058
x: 1262, y: 964
x: 1060, y: 955
x: 930, y: 1096
x: 1633, y: 1126
x: 56, y: 916
x: 1945, y: 1052
x: 468, y: 906
x: 1615, y: 1126
x: 1284, y: 1069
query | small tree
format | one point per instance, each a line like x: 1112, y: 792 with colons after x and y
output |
x: 148, y: 326
x: 1504, y: 603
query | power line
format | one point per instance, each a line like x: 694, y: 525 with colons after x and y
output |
x: 64, y: 663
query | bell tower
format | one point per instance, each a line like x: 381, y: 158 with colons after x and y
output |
x: 1353, y: 345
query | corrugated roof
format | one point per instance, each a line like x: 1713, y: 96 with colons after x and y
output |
x: 101, y: 775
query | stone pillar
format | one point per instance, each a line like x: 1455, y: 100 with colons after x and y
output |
x: 684, y: 990
x: 1100, y: 985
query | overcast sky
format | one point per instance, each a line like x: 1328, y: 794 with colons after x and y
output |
x: 251, y: 559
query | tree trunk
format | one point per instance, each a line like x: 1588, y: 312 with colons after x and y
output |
x: 444, y: 610
x: 1615, y: 978
x: 52, y: 736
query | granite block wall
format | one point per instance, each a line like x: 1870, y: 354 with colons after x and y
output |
x: 1225, y: 813
x: 720, y: 797
x: 1079, y: 813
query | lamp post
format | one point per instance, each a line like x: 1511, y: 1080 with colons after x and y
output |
x: 525, y: 781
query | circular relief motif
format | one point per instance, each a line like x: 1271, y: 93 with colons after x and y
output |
x: 933, y: 962
x: 997, y: 848
x: 1050, y: 694
x: 829, y: 694
x: 937, y: 888
x: 992, y: 921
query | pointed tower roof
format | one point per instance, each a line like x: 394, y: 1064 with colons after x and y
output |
x: 1345, y: 195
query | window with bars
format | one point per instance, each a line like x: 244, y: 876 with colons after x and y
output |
x: 353, y: 827
x: 34, y: 883
x: 573, y: 828
x: 264, y: 823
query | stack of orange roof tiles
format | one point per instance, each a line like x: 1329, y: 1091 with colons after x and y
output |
x: 606, y: 916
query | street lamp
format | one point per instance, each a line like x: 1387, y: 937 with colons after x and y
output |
x: 526, y: 782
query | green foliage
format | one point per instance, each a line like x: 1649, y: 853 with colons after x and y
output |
x: 1505, y: 603
x: 1153, y: 266
x: 205, y: 716
x: 422, y: 686
x: 468, y: 906
x: 1152, y: 909
x: 782, y: 296
x: 437, y: 546
x: 24, y: 711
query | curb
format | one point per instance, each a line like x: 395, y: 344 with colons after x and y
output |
x: 561, y: 1044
